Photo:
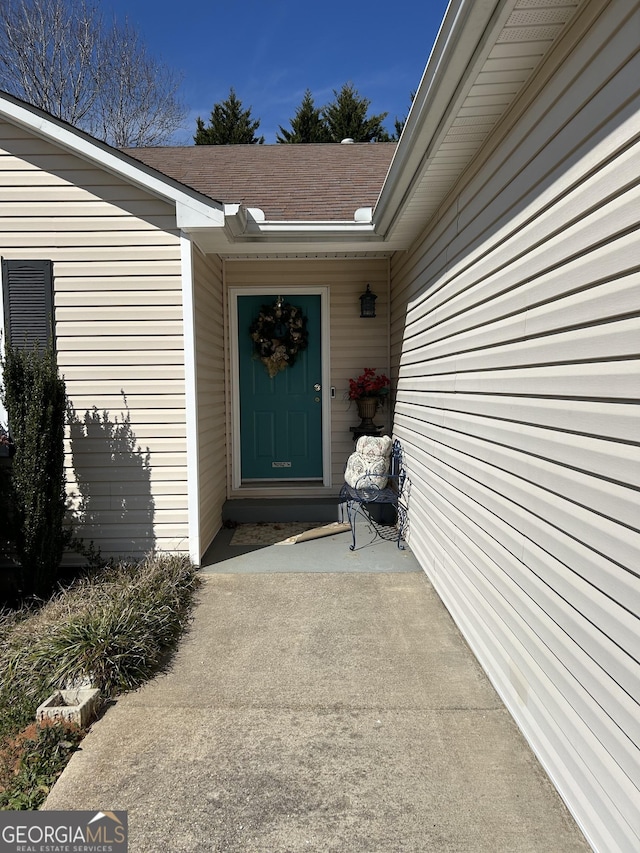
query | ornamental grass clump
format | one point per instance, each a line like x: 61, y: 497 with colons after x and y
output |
x: 112, y: 630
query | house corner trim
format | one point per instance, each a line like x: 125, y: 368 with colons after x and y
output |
x: 191, y: 399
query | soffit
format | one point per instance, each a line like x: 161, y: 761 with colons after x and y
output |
x: 516, y: 39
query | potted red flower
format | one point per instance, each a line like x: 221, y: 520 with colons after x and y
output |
x: 369, y: 391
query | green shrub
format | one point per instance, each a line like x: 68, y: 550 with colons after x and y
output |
x: 34, y: 396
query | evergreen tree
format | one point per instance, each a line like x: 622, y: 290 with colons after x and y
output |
x: 307, y: 124
x: 346, y: 118
x: 229, y: 125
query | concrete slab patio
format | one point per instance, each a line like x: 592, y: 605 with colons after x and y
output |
x: 319, y: 711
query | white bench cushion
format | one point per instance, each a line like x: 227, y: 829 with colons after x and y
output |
x: 369, y: 464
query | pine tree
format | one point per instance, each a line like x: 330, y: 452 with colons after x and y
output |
x: 346, y: 118
x: 229, y: 125
x: 306, y: 125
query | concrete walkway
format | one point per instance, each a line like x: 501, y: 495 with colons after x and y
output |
x: 319, y: 711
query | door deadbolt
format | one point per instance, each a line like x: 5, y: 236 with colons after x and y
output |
x: 317, y: 386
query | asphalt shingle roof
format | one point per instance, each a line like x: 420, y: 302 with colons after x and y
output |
x: 288, y: 182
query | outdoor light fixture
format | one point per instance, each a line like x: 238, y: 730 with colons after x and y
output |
x: 368, y: 303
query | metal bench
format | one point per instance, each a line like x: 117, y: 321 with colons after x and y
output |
x: 375, y: 504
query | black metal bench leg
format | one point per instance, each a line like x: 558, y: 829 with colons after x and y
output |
x: 351, y: 515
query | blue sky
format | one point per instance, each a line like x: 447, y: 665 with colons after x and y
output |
x: 271, y: 51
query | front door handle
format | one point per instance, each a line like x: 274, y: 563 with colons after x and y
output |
x: 317, y: 386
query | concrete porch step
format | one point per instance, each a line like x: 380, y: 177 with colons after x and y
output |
x: 252, y: 510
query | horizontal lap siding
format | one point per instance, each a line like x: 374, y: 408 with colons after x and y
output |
x: 209, y: 326
x: 355, y: 343
x: 515, y: 340
x: 118, y: 315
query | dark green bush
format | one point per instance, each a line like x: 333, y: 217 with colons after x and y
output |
x: 35, y: 399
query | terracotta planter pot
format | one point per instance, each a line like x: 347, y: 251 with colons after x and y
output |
x: 367, y: 407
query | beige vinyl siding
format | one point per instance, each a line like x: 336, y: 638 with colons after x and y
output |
x: 118, y: 323
x: 515, y: 330
x: 355, y: 343
x: 209, y: 330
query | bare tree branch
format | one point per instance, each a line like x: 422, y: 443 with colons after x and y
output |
x: 138, y: 96
x: 47, y: 54
x: 59, y: 55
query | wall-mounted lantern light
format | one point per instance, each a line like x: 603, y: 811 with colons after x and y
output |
x: 368, y: 303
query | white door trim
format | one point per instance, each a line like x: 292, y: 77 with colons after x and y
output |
x: 323, y: 292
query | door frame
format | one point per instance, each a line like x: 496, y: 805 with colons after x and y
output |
x: 284, y: 290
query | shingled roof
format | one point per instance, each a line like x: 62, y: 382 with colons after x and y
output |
x: 288, y: 182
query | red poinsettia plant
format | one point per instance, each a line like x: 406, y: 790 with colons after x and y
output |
x: 369, y: 384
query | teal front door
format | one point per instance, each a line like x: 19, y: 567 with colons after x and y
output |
x: 280, y: 416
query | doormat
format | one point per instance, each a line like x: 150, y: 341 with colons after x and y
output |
x: 277, y: 532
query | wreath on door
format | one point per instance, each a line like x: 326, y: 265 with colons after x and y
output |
x: 279, y: 333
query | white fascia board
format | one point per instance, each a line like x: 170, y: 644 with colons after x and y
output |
x: 192, y: 214
x: 246, y: 225
x: 336, y: 228
x: 316, y: 237
x: 466, y: 24
x: 194, y: 208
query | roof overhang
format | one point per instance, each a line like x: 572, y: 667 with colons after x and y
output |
x: 485, y: 53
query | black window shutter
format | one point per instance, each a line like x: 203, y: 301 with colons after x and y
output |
x: 27, y: 294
